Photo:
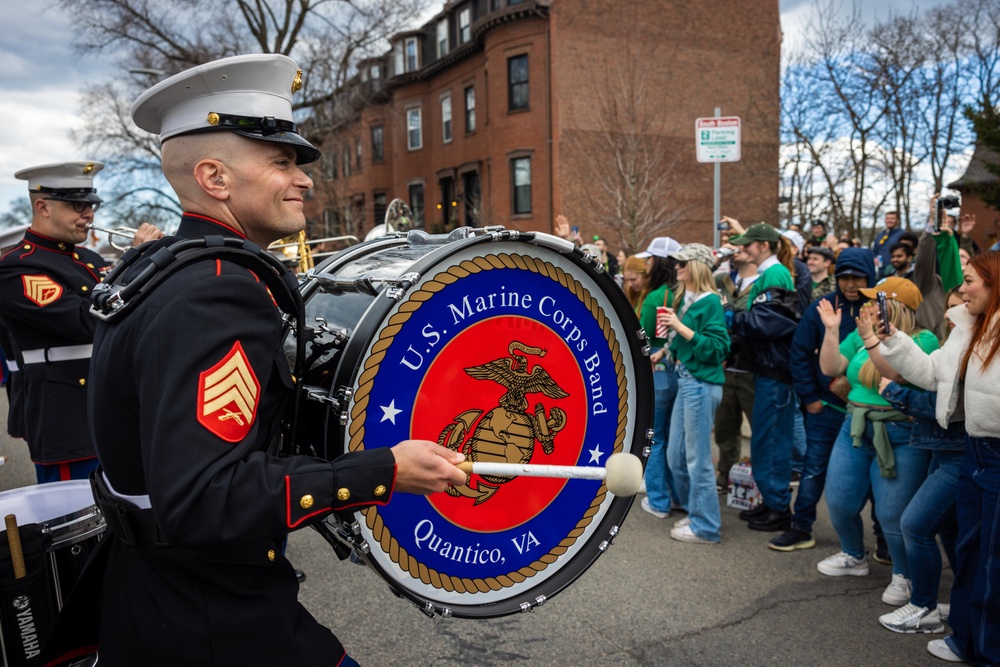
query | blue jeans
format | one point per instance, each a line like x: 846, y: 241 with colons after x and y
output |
x: 800, y: 441
x: 659, y: 482
x: 854, y: 470
x: 931, y: 511
x: 821, y: 433
x: 690, y: 452
x: 771, y: 441
x: 975, y: 596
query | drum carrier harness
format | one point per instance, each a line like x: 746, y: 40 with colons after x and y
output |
x: 113, y: 299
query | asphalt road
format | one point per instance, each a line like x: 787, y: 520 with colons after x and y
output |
x: 648, y: 601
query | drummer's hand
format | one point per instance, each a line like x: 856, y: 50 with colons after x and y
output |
x: 424, y: 467
x: 146, y: 232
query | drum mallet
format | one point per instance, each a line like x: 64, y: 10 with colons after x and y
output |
x: 14, y: 542
x: 623, y: 472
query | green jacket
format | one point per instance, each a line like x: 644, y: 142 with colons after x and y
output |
x: 703, y: 355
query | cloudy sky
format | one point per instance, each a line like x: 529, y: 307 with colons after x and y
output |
x: 41, y: 77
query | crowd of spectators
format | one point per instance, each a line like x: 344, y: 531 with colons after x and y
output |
x: 883, y: 360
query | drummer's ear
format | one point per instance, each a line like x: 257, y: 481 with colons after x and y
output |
x: 211, y: 176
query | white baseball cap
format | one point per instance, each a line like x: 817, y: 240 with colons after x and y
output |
x: 250, y: 95
x: 661, y: 246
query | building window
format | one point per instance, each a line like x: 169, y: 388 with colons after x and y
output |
x: 446, y: 118
x: 442, y: 33
x: 357, y: 153
x: 417, y: 204
x: 414, y: 138
x: 473, y: 198
x: 520, y: 169
x: 378, y: 144
x: 398, y: 63
x: 376, y: 77
x: 379, y: 206
x: 517, y: 82
x: 347, y: 162
x: 470, y: 110
x: 448, y: 205
x: 412, y: 61
x: 465, y: 25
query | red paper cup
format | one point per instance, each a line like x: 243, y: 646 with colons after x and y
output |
x: 661, y: 329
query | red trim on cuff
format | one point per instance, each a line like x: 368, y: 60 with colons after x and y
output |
x: 288, y: 506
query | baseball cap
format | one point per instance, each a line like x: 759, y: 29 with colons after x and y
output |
x: 661, y: 246
x: 795, y: 238
x: 695, y: 252
x: 65, y: 181
x: 898, y: 289
x: 759, y: 232
x: 827, y: 254
x: 250, y: 95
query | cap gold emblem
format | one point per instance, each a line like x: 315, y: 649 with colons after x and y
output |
x: 297, y: 82
x: 213, y: 118
x: 306, y: 502
x: 343, y: 494
x: 88, y: 168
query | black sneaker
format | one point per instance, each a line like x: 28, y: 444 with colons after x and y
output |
x: 300, y: 576
x: 756, y: 512
x: 771, y: 521
x: 792, y: 539
x: 881, y: 554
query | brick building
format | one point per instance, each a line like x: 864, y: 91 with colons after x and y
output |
x: 512, y: 111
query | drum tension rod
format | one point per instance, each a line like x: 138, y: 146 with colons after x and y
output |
x: 320, y: 395
x: 339, y: 335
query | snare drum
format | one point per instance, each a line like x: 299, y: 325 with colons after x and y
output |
x: 505, y: 346
x: 66, y: 513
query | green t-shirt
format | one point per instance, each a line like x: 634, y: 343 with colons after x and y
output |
x: 853, y: 349
x: 661, y: 296
x: 775, y: 275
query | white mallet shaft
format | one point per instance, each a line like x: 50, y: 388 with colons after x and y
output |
x: 623, y: 472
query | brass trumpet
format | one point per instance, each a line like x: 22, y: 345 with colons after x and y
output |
x: 127, y: 232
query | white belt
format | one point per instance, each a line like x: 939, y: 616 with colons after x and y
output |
x: 64, y: 353
x: 142, y: 502
x: 12, y: 366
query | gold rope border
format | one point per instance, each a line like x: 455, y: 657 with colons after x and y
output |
x: 366, y: 379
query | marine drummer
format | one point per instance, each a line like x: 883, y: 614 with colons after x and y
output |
x: 188, y: 394
x: 45, y: 286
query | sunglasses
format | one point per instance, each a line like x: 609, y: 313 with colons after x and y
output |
x: 80, y: 206
x: 681, y: 264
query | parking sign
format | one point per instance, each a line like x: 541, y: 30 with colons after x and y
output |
x: 718, y: 139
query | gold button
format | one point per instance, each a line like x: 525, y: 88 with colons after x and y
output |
x: 343, y: 494
x: 82, y: 381
x: 379, y: 491
x: 270, y: 555
x: 62, y: 246
x: 27, y: 246
x: 90, y: 265
x: 306, y: 502
x: 84, y: 288
x: 76, y: 255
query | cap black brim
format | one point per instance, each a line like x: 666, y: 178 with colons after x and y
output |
x: 305, y: 152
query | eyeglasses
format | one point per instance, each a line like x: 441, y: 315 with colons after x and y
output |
x: 80, y: 206
x: 681, y: 264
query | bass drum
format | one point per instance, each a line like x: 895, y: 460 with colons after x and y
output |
x: 506, y: 346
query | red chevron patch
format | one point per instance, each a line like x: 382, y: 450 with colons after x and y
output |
x: 228, y: 394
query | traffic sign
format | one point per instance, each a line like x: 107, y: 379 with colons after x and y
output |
x: 718, y: 139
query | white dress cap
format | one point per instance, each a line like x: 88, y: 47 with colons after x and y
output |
x: 249, y: 94
x: 66, y: 181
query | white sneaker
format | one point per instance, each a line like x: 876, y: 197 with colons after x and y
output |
x: 842, y: 564
x: 898, y: 592
x: 939, y: 649
x: 657, y: 513
x: 944, y: 610
x: 685, y: 534
x: 911, y: 619
x: 686, y: 521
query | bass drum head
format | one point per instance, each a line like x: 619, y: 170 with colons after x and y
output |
x: 507, y: 351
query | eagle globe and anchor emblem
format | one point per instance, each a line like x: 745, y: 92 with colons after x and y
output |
x: 508, y: 432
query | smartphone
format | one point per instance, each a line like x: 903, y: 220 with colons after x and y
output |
x: 883, y: 311
x: 575, y: 229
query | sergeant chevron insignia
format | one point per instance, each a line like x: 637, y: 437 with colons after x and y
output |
x: 227, y: 396
x: 41, y: 290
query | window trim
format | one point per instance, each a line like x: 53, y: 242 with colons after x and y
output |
x: 465, y: 102
x: 443, y: 45
x: 447, y: 125
x: 511, y: 84
x: 420, y: 128
x: 378, y: 156
x: 465, y: 31
x: 406, y: 55
x: 513, y: 159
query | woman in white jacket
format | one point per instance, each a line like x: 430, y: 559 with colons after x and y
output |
x: 966, y: 374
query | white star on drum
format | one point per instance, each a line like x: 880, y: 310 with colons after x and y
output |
x: 596, y: 454
x: 389, y: 412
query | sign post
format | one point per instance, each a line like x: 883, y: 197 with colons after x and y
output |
x: 718, y: 140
